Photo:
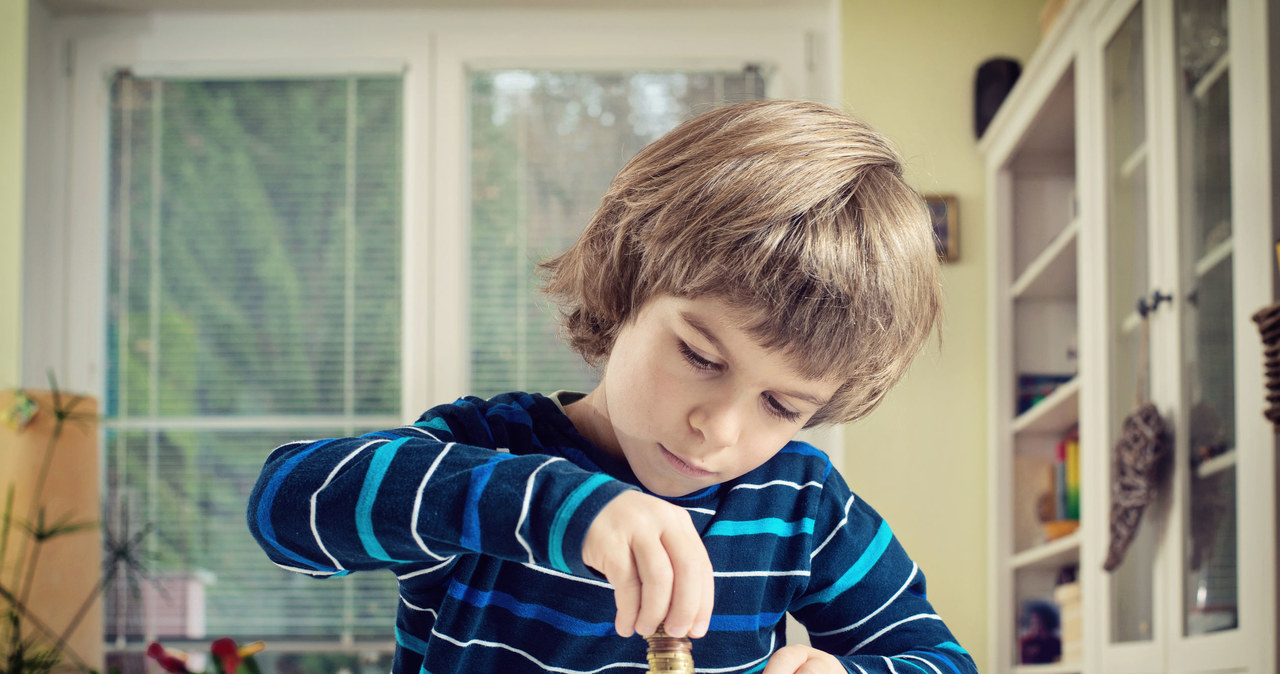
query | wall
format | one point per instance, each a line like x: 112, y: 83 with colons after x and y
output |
x: 65, y: 578
x: 13, y: 80
x: 921, y: 458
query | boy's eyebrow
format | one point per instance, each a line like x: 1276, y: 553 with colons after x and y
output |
x: 702, y: 329
x: 696, y: 324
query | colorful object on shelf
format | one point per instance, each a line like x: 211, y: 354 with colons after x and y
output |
x: 18, y: 414
x: 1032, y: 388
x: 1069, y: 459
x: 1039, y: 643
x: 1055, y: 529
x: 1058, y: 509
x: 227, y: 658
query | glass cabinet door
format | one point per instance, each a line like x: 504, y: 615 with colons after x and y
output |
x: 1132, y: 582
x: 1209, y: 566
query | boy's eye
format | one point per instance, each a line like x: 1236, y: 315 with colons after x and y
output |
x: 778, y: 409
x: 698, y: 362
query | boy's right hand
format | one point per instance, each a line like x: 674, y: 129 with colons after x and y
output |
x: 650, y: 552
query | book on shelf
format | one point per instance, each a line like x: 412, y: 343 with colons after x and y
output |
x: 1070, y: 619
x: 1034, y: 387
x: 1059, y: 507
x: 1069, y: 460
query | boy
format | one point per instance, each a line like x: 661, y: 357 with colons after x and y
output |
x: 761, y: 269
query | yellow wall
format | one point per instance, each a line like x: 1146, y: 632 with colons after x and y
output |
x: 921, y: 458
x: 13, y: 81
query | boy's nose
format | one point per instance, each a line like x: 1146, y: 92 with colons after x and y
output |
x: 718, y: 422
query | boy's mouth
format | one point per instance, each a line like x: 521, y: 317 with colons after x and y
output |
x: 683, y: 466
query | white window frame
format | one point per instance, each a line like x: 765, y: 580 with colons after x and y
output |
x: 64, y: 319
x: 65, y: 238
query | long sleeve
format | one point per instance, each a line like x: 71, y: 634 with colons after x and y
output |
x: 865, y: 602
x: 424, y: 494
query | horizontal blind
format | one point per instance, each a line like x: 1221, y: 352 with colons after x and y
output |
x: 544, y: 147
x: 254, y: 298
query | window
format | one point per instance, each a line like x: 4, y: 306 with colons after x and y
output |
x: 253, y: 298
x: 310, y: 224
x: 544, y: 147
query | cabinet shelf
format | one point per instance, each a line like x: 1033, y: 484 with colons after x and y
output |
x: 1052, y: 555
x: 1053, y: 272
x: 1124, y: 171
x: 1222, y: 462
x: 1211, y: 77
x: 1053, y: 415
x: 1134, y: 161
x: 1213, y: 257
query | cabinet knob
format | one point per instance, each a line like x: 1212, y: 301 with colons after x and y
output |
x: 1146, y: 306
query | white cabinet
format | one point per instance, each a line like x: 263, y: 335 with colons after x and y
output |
x: 1133, y: 166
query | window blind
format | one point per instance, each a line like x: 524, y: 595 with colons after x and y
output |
x: 544, y: 147
x: 254, y: 298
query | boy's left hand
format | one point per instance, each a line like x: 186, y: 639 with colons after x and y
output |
x: 797, y: 659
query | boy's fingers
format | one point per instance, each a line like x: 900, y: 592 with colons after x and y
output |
x: 654, y: 567
x: 626, y: 595
x: 702, y: 620
x: 692, y: 576
x: 798, y: 659
x: 786, y: 660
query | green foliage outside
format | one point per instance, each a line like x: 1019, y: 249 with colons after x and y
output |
x: 256, y: 273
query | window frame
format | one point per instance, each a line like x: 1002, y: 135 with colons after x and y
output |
x: 67, y: 220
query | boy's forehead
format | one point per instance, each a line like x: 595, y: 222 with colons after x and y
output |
x: 728, y: 327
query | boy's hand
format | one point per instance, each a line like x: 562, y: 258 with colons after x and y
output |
x: 799, y: 659
x: 655, y: 560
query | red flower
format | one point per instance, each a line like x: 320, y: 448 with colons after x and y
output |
x: 225, y: 651
x: 169, y: 661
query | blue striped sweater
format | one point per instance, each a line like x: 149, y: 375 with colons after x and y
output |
x: 480, y: 509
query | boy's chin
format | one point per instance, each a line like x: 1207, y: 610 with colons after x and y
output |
x: 669, y: 490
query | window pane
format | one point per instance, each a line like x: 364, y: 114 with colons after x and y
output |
x: 255, y: 262
x: 1210, y: 563
x: 1132, y: 593
x: 254, y: 272
x: 544, y: 147
x: 205, y: 576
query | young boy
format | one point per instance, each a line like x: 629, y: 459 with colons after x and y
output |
x: 761, y: 269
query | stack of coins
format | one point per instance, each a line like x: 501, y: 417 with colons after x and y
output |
x: 668, y: 654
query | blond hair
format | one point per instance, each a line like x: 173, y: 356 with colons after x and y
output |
x: 792, y: 211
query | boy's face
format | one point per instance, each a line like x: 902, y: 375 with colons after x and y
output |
x: 688, y: 399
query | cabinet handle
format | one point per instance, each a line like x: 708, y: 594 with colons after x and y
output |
x: 1156, y: 298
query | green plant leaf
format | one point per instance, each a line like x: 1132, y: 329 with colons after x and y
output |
x: 43, y: 532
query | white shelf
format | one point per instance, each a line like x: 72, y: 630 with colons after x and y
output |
x: 1055, y: 414
x: 1134, y: 161
x: 1222, y: 462
x: 1052, y: 555
x: 1052, y: 274
x: 1211, y: 77
x: 1213, y: 257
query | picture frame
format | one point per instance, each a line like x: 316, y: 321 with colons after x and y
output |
x: 944, y: 212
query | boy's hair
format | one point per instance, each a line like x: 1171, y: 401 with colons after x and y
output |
x: 790, y: 210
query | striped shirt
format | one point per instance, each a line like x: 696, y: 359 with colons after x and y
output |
x: 480, y: 509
